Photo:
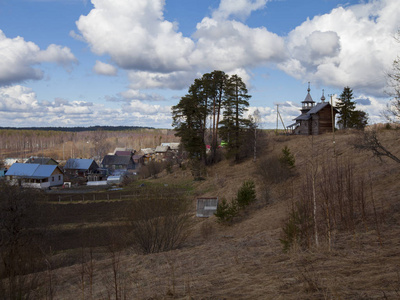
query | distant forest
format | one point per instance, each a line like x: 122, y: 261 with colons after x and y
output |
x: 80, y: 129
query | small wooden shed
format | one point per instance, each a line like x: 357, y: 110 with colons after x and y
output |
x: 206, y: 207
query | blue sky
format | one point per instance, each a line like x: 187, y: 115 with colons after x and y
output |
x: 126, y: 62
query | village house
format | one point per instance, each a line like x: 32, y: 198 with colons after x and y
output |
x: 172, y: 146
x: 35, y: 175
x: 138, y: 159
x: 315, y: 118
x: 118, y: 162
x: 80, y: 167
x: 162, y: 153
x: 148, y: 155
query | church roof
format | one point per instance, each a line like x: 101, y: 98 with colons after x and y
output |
x: 308, y: 98
x: 312, y: 111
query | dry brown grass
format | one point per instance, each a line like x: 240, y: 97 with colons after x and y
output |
x: 245, y: 260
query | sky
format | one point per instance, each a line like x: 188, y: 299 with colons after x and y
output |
x: 126, y: 62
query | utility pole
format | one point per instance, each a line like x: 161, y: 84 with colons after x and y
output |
x: 333, y: 126
x: 279, y: 115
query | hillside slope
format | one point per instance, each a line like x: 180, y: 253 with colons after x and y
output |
x: 245, y: 260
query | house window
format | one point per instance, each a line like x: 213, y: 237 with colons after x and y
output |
x: 52, y: 178
x: 59, y: 177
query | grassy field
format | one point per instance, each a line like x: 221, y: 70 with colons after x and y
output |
x: 93, y: 257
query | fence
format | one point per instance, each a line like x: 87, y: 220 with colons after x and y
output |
x: 104, y: 196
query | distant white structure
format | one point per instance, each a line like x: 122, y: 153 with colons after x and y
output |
x: 117, y: 179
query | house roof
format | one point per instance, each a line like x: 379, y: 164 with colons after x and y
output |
x: 162, y: 149
x: 41, y: 160
x: 123, y: 149
x: 172, y: 146
x: 79, y: 164
x: 35, y: 171
x: 147, y: 151
x: 116, y: 160
x: 123, y: 153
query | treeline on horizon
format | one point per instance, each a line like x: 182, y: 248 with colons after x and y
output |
x: 79, y: 128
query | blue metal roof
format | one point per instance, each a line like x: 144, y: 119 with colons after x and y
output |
x: 35, y: 171
x: 78, y: 163
x: 19, y: 169
x: 44, y: 171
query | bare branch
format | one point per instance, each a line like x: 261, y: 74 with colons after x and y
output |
x: 369, y: 141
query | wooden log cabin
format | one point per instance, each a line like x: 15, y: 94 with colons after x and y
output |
x: 315, y: 118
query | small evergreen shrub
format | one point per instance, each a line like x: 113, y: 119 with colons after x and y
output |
x: 246, y: 194
x: 298, y: 229
x: 226, y: 211
x: 287, y: 158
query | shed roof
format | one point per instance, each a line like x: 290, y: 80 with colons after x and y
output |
x: 36, y: 171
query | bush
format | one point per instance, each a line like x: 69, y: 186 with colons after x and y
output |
x: 226, y: 211
x: 246, y: 194
x: 273, y: 171
x: 160, y: 220
x: 152, y: 169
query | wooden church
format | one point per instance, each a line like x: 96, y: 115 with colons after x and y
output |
x: 315, y: 118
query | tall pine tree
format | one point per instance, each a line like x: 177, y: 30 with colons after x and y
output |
x: 208, y: 98
x: 234, y: 123
x: 346, y: 107
x: 189, y: 120
x: 349, y: 117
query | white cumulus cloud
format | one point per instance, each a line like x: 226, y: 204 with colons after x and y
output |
x: 237, y: 8
x: 104, y: 69
x: 18, y: 59
x: 228, y: 45
x: 135, y: 35
x: 137, y: 38
x: 352, y: 46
